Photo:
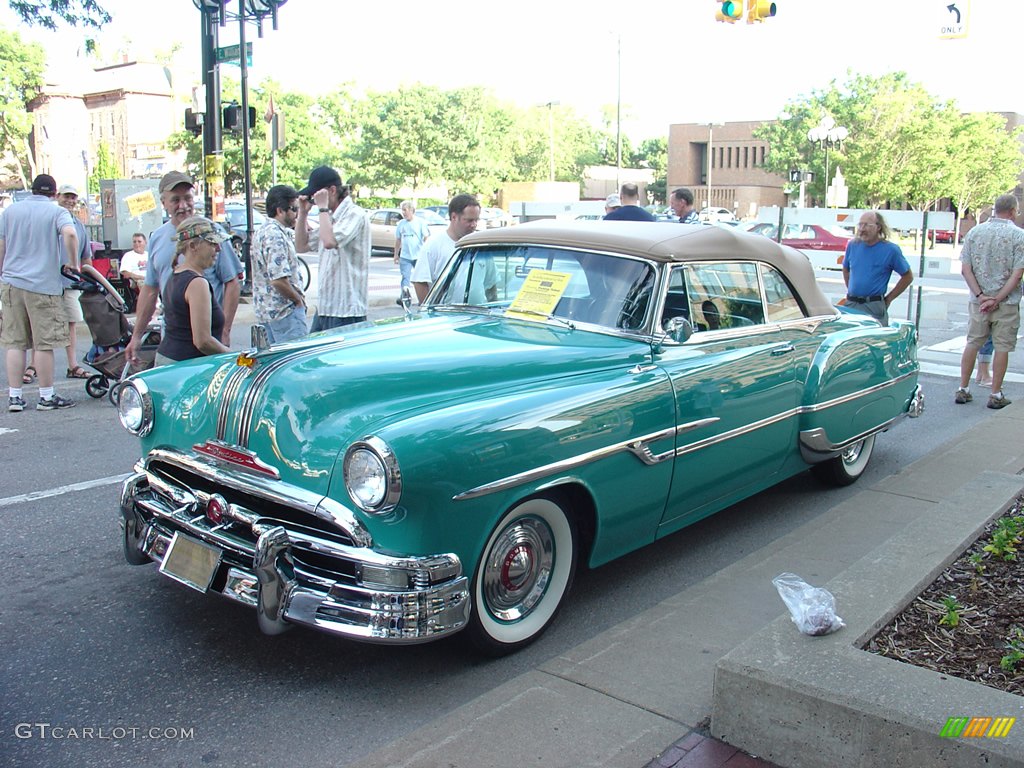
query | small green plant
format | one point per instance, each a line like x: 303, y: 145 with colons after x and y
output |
x: 978, y: 561
x: 952, y: 615
x: 1015, y: 646
x: 1005, y: 538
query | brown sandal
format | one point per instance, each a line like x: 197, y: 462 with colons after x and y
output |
x: 78, y: 372
x: 29, y: 376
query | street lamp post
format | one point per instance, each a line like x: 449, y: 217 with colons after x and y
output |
x: 216, y: 12
x: 827, y: 134
x: 711, y: 158
x: 551, y: 138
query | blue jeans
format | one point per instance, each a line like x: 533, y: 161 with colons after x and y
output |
x: 287, y: 328
x: 405, y: 267
x: 326, y: 322
x: 985, y: 353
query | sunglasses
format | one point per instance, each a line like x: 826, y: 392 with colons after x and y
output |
x: 294, y: 209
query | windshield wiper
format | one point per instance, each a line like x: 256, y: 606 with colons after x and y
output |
x: 567, y: 323
x: 479, y: 309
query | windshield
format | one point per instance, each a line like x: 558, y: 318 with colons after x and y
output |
x: 531, y: 281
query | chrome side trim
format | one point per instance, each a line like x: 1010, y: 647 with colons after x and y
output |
x: 854, y: 395
x: 737, y: 432
x: 638, y: 446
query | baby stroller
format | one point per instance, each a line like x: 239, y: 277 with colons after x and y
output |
x: 105, y: 314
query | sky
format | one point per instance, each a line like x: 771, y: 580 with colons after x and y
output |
x: 677, y: 64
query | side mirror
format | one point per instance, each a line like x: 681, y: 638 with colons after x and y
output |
x: 679, y: 329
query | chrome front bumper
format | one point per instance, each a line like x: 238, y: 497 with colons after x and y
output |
x: 291, y: 573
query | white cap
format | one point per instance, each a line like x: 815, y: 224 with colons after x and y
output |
x: 68, y: 189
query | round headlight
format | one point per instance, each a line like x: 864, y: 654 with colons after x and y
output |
x: 134, y: 408
x: 371, y: 475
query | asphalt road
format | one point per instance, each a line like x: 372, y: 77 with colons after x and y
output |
x: 105, y: 664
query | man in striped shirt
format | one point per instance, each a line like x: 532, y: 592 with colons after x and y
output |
x: 343, y: 242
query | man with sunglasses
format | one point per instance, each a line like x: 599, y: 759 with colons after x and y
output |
x: 276, y: 286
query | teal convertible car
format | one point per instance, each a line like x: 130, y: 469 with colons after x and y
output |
x: 567, y: 394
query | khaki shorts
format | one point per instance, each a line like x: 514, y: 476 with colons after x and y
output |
x: 32, y: 320
x: 72, y: 309
x: 1002, y: 323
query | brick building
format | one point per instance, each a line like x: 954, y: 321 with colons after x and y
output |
x: 730, y: 158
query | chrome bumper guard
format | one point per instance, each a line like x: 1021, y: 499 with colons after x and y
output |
x: 371, y: 597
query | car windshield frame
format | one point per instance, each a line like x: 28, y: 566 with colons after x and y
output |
x: 606, y: 291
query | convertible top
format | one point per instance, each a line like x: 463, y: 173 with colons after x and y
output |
x: 666, y: 242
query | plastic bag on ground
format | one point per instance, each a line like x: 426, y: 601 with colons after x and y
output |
x: 812, y: 609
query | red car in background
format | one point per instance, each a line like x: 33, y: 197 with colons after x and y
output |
x: 944, y: 236
x: 809, y: 237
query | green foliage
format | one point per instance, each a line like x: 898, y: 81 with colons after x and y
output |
x: 904, y: 146
x: 1015, y: 646
x: 21, y: 76
x: 953, y: 608
x: 46, y: 13
x: 103, y: 168
x: 1006, y: 537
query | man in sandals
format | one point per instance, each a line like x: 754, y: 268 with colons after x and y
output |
x: 32, y: 233
x: 67, y: 197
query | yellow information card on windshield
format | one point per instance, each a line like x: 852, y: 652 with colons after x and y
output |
x: 539, y: 294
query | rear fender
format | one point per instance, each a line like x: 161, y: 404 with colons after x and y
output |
x: 859, y: 382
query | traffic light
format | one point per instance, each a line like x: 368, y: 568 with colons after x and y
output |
x: 233, y: 118
x: 730, y: 11
x: 193, y: 122
x: 759, y: 10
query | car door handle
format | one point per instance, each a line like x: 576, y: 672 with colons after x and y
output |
x: 783, y: 350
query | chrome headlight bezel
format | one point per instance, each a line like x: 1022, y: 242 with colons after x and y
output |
x: 135, y: 407
x: 372, y: 452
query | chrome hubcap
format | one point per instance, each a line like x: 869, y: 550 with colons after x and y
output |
x: 851, y: 454
x: 518, y: 569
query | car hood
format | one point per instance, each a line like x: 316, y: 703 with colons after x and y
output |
x: 299, y: 405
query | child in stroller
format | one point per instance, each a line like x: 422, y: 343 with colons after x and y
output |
x: 105, y: 314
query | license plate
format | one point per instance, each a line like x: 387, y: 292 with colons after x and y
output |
x: 191, y: 562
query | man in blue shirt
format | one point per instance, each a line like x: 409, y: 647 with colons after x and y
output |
x: 630, y: 210
x: 177, y: 197
x: 34, y: 236
x: 868, y: 264
x: 409, y: 237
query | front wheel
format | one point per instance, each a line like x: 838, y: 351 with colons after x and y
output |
x: 523, y: 576
x: 848, y: 466
x: 96, y: 386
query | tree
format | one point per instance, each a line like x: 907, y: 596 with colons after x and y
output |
x: 987, y: 162
x: 46, y: 13
x: 21, y: 77
x: 104, y: 168
x: 894, y: 150
x: 653, y: 154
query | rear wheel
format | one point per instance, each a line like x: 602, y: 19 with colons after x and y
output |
x: 524, y: 574
x: 848, y: 466
x: 304, y: 275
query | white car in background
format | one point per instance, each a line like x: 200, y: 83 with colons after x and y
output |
x: 716, y: 214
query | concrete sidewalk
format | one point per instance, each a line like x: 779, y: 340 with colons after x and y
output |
x: 630, y: 696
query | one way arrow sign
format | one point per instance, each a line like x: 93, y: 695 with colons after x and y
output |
x: 953, y: 18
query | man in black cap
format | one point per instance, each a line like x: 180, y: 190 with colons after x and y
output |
x: 177, y: 195
x: 32, y: 234
x: 343, y: 242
